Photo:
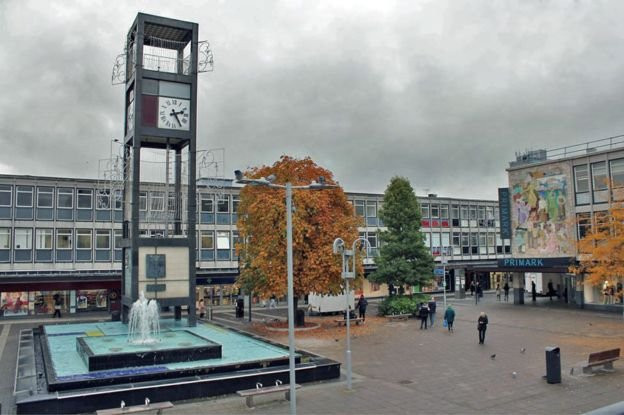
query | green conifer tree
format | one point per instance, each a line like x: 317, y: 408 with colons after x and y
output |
x: 404, y: 259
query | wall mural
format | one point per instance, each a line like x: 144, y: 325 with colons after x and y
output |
x: 539, y: 216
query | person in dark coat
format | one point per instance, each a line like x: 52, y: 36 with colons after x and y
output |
x: 423, y: 313
x: 472, y: 287
x: 361, y: 306
x: 432, y: 311
x: 506, y: 289
x: 551, y: 290
x: 449, y: 316
x: 482, y: 323
x: 533, y: 291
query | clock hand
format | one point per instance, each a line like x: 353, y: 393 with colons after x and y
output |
x: 175, y: 114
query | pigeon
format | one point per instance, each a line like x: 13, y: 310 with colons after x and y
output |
x: 522, y: 350
x: 336, y: 339
x: 514, y: 374
x: 147, y: 401
x: 493, y: 356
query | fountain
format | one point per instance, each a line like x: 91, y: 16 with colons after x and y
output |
x: 144, y: 321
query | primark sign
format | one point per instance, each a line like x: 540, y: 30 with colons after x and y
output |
x: 536, y: 263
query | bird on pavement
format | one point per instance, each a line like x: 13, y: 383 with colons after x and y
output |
x: 514, y: 374
x: 522, y: 350
x: 493, y: 356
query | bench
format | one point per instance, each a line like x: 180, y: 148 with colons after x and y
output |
x: 249, y: 394
x: 604, y: 358
x: 149, y: 407
x: 343, y: 322
x: 398, y: 316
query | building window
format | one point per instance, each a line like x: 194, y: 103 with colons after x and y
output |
x: 456, y: 239
x: 427, y: 239
x: 372, y: 240
x: 23, y: 238
x: 581, y: 182
x: 583, y: 221
x: 143, y: 201
x: 223, y: 204
x: 424, y: 211
x: 617, y: 178
x: 45, y: 196
x: 63, y: 239
x: 24, y: 196
x: 444, y: 212
x: 171, y: 204
x: 118, y: 199
x: 473, y: 212
x: 371, y: 209
x: 435, y: 211
x: 157, y: 201
x: 5, y: 238
x: 206, y: 239
x: 359, y: 208
x: 103, y: 201
x: 118, y: 238
x: 102, y: 239
x: 5, y: 195
x: 600, y: 181
x: 435, y: 240
x: 65, y: 199
x: 83, y: 239
x: 223, y: 240
x: 235, y: 203
x: 206, y: 203
x: 84, y: 198
x: 43, y: 239
x: 446, y: 241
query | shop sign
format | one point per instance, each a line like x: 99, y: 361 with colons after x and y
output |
x: 504, y: 209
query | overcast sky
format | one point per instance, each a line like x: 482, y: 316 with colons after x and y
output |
x: 443, y: 93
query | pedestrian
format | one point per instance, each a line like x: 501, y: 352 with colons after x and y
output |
x: 58, y: 303
x: 449, y: 316
x: 477, y: 292
x: 551, y: 290
x: 201, y: 309
x: 533, y: 291
x: 506, y: 290
x: 498, y: 292
x: 272, y: 301
x: 472, y: 287
x: 423, y: 313
x: 482, y: 323
x: 432, y: 310
x: 361, y: 306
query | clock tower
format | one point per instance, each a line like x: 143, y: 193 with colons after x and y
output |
x: 161, y: 66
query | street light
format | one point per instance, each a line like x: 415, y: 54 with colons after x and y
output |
x: 339, y: 248
x: 268, y: 182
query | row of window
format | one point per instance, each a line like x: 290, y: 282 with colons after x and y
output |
x: 467, y: 239
x: 60, y: 239
x: 368, y: 208
x: 592, y: 181
x: 66, y: 197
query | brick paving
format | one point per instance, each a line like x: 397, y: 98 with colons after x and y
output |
x: 399, y: 369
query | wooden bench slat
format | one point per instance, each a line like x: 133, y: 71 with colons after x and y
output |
x: 265, y: 390
x: 606, y: 355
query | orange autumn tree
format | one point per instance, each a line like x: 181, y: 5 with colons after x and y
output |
x: 319, y: 217
x: 601, y: 250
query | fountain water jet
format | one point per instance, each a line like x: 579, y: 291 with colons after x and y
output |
x: 144, y: 323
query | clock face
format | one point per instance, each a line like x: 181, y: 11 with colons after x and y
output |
x: 174, y: 113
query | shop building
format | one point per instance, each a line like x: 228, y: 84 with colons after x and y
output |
x: 554, y: 197
x: 60, y: 241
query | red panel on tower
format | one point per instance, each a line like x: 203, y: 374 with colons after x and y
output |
x: 149, y: 112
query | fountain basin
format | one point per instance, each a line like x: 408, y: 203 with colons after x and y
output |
x: 114, y: 351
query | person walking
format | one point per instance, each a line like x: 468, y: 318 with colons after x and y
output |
x: 201, y: 308
x: 506, y: 290
x: 482, y: 323
x: 423, y: 313
x: 58, y: 304
x: 272, y: 301
x: 432, y: 311
x: 361, y: 306
x: 533, y: 291
x: 477, y: 292
x: 498, y: 292
x: 449, y: 316
x: 551, y: 290
x: 472, y: 287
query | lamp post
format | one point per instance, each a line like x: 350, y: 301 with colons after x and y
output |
x: 339, y: 248
x: 268, y: 182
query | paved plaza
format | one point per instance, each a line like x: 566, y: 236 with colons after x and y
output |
x: 401, y: 369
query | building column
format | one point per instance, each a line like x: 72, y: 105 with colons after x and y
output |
x: 460, y: 281
x: 518, y: 287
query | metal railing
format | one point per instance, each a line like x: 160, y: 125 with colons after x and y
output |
x: 589, y: 147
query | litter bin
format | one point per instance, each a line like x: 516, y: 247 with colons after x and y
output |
x: 116, y: 316
x: 299, y: 318
x: 553, y: 365
x: 240, y: 308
